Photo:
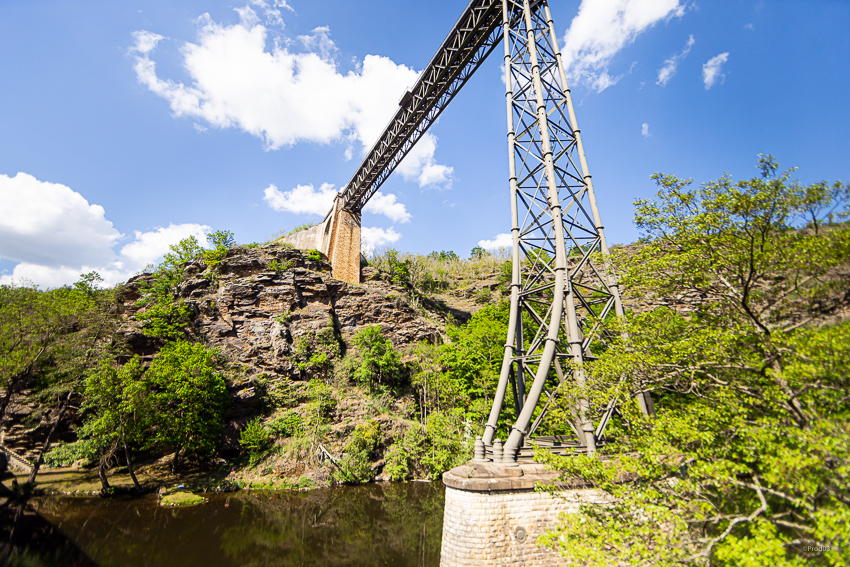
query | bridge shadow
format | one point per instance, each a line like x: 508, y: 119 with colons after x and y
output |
x: 28, y: 539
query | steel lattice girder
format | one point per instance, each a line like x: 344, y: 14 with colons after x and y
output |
x: 473, y: 38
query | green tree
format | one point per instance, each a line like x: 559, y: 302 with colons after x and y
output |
x: 443, y: 255
x: 182, y: 400
x: 478, y: 253
x: 379, y: 363
x: 51, y: 340
x: 471, y: 362
x: 256, y: 438
x: 359, y: 450
x: 184, y: 251
x: 220, y: 242
x: 112, y: 420
x: 165, y: 316
x: 747, y: 460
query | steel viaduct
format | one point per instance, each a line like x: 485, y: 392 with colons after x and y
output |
x: 562, y: 290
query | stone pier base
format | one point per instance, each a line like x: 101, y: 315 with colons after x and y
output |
x: 493, y: 516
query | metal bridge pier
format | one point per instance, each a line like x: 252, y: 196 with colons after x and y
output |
x: 563, y: 292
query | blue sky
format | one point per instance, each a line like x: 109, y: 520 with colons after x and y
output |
x: 127, y: 125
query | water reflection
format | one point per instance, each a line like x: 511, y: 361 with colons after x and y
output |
x: 375, y: 524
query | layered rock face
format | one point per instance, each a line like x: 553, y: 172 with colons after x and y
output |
x: 257, y: 316
x: 264, y: 320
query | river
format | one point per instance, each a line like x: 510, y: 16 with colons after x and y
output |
x: 397, y: 524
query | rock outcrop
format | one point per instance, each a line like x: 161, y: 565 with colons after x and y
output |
x: 256, y: 315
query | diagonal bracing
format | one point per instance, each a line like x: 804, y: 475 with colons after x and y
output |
x: 562, y: 291
x: 559, y: 248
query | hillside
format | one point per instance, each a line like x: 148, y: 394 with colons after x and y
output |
x: 284, y: 327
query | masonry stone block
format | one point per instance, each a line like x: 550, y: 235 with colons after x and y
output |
x: 493, y: 515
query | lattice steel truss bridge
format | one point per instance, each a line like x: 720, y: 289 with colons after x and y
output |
x: 562, y: 291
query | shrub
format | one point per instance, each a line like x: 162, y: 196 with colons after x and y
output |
x: 329, y: 340
x: 290, y: 424
x: 277, y: 266
x: 478, y: 253
x: 361, y: 445
x: 66, y: 454
x: 273, y: 396
x: 165, y: 319
x: 448, y: 445
x: 380, y: 363
x: 437, y: 271
x: 406, y: 453
x: 314, y: 255
x: 322, y: 396
x: 256, y: 438
x: 182, y: 399
x: 221, y: 241
x: 301, y: 227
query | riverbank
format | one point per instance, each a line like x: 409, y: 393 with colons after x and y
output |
x: 76, y: 482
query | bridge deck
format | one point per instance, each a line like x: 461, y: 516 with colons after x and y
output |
x: 473, y: 38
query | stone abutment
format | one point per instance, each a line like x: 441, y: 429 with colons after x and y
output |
x: 493, y: 515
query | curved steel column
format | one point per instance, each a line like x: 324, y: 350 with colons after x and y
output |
x: 515, y: 317
x: 556, y: 311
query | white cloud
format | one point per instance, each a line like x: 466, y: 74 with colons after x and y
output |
x: 504, y: 240
x: 602, y: 28
x: 371, y: 237
x: 749, y: 27
x: 711, y: 70
x: 320, y: 41
x: 671, y: 64
x: 49, y: 224
x: 148, y: 247
x: 420, y: 165
x: 55, y: 235
x: 303, y: 199
x: 306, y: 199
x: 644, y: 130
x: 145, y: 41
x: 387, y: 205
x: 284, y: 97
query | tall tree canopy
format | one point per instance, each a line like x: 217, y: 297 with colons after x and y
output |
x: 746, y: 463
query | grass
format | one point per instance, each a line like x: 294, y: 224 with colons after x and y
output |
x: 432, y: 273
x: 179, y: 497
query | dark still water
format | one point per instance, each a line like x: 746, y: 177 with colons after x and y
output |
x: 374, y: 524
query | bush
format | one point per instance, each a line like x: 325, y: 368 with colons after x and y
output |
x: 66, y: 454
x: 290, y: 424
x: 449, y: 446
x: 322, y: 397
x: 301, y: 227
x: 277, y: 395
x: 182, y: 399
x: 221, y: 241
x: 276, y: 266
x: 256, y: 438
x: 405, y: 455
x: 165, y: 319
x: 380, y: 363
x: 314, y: 255
x: 357, y: 462
x: 437, y: 271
